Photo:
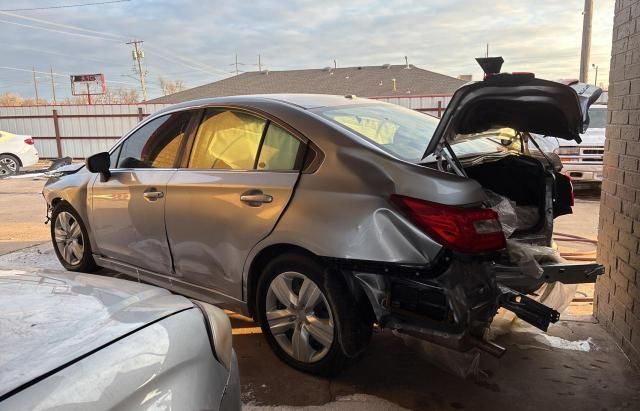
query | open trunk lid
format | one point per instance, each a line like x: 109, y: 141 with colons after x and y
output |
x: 518, y: 101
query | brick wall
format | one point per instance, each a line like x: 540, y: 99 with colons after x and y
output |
x: 617, y: 296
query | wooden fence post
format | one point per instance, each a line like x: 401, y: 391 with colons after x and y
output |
x: 140, y: 114
x: 56, y: 128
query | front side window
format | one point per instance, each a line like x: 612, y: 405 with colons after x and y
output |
x: 398, y: 130
x: 113, y: 157
x: 227, y: 140
x: 156, y: 144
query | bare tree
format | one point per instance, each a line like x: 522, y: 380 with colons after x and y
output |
x: 116, y: 96
x: 171, y: 86
x: 112, y: 96
x: 11, y: 99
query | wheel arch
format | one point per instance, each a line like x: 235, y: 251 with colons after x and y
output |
x: 18, y: 159
x: 57, y: 200
x: 274, y: 250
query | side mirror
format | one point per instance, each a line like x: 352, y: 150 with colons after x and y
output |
x: 100, y: 163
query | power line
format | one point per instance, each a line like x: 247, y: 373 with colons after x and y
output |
x: 162, y: 53
x: 64, y: 26
x: 66, y: 6
x: 15, y: 23
x: 58, y: 74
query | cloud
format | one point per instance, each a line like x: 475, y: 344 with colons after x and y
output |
x: 197, y: 40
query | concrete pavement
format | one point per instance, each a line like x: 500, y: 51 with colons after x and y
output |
x: 536, y: 373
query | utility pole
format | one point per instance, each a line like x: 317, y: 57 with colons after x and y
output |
x: 487, y: 53
x: 595, y: 80
x: 138, y: 58
x: 259, y: 63
x: 335, y: 64
x: 35, y: 83
x: 586, y: 41
x: 53, y: 85
x: 236, y: 64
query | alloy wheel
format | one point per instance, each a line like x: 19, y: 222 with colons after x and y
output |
x: 9, y: 163
x: 69, y: 238
x: 299, y: 317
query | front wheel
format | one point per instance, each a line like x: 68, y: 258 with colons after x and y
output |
x: 71, y: 240
x: 308, y: 316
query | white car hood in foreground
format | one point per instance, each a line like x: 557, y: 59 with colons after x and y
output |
x: 49, y: 318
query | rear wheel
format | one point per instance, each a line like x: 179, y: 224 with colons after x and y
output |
x: 71, y: 240
x: 9, y: 164
x: 308, y: 316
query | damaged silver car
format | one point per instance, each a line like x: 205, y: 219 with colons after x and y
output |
x: 322, y: 215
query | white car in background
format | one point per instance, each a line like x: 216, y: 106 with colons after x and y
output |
x: 16, y: 151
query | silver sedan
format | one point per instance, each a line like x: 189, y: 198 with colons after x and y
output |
x: 322, y: 215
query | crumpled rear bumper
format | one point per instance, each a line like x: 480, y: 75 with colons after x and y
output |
x: 452, y: 308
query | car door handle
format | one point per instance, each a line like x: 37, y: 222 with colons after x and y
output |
x: 255, y: 198
x: 153, y: 195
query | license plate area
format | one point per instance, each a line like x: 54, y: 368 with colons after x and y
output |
x: 419, y: 299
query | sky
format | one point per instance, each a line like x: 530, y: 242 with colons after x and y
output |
x: 197, y: 41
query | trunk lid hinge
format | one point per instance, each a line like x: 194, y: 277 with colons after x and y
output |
x: 444, y: 151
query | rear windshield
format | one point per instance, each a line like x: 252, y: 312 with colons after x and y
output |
x: 400, y: 131
x: 597, y: 117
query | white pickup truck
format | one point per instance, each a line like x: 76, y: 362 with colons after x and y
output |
x: 583, y: 162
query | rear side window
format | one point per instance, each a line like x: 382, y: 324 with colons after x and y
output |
x: 227, y: 140
x: 156, y: 144
x: 398, y: 130
x: 279, y: 150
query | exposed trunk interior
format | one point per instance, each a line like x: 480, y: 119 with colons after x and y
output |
x: 522, y: 180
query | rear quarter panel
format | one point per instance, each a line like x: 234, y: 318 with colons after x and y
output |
x: 343, y: 210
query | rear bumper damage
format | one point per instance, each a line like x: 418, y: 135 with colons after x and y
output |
x: 452, y: 307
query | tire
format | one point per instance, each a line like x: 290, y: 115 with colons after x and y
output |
x: 71, y: 240
x: 10, y: 164
x: 321, y: 335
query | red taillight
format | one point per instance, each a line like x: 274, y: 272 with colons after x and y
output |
x: 468, y: 230
x: 28, y: 141
x: 573, y: 193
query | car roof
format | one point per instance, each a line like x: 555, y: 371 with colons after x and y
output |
x: 50, y: 319
x: 303, y: 101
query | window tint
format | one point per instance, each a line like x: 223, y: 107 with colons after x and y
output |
x: 156, y: 144
x: 279, y: 150
x: 113, y: 157
x: 227, y: 140
x: 398, y: 130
